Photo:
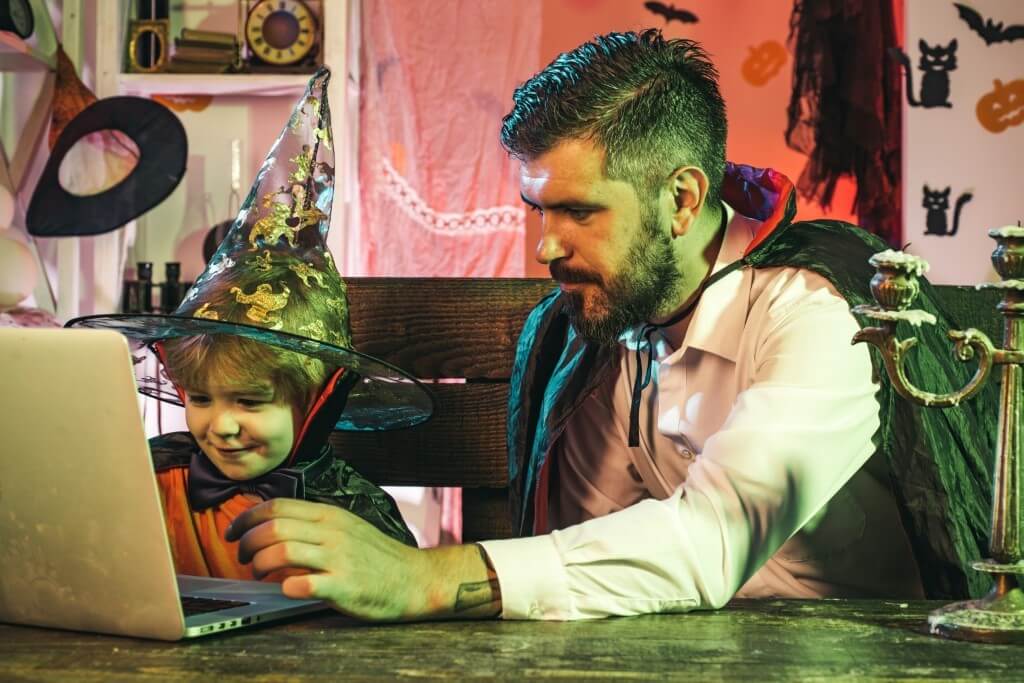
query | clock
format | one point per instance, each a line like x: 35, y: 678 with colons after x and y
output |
x: 16, y: 16
x: 281, y: 32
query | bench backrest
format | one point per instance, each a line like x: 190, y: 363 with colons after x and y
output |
x: 466, y: 329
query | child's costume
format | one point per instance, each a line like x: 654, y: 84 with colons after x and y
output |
x: 276, y: 253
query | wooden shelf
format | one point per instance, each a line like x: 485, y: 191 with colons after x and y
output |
x: 17, y: 55
x: 212, y: 84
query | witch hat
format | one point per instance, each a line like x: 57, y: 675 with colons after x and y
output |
x: 134, y: 156
x: 274, y: 255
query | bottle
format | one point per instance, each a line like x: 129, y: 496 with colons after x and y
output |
x: 145, y: 276
x: 171, y: 291
x: 130, y: 297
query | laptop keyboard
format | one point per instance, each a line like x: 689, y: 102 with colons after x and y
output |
x: 193, y: 605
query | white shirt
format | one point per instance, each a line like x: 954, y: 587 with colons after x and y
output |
x: 748, y: 480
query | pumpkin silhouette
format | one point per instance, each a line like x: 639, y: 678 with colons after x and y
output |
x: 763, y: 62
x: 1002, y: 107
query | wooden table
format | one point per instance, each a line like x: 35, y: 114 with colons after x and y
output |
x: 748, y: 640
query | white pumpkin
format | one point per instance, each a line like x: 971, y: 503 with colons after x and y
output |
x: 17, y: 271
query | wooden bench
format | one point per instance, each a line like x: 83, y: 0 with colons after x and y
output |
x: 458, y: 328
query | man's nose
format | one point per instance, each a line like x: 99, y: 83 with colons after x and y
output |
x: 551, y: 246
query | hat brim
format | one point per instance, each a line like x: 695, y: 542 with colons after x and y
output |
x: 163, y: 152
x: 384, y: 398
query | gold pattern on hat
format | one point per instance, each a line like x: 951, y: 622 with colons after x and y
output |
x: 202, y: 312
x: 314, y: 330
x: 262, y: 263
x: 302, y: 164
x: 306, y: 271
x: 325, y: 135
x: 264, y: 302
x: 339, y: 339
x: 274, y: 225
x: 296, y: 121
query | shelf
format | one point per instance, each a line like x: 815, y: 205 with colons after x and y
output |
x: 17, y: 55
x: 212, y: 84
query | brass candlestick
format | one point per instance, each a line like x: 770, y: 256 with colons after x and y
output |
x: 999, y: 616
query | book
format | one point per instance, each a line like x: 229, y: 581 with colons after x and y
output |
x: 198, y: 54
x: 218, y: 37
x: 222, y: 47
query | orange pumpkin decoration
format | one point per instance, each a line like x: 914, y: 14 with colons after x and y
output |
x: 1002, y: 107
x: 763, y: 62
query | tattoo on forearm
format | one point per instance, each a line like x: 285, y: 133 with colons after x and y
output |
x: 479, y: 593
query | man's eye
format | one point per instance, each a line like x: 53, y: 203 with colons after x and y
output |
x: 198, y: 398
x: 579, y: 215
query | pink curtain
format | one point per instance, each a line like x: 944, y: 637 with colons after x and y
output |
x: 439, y: 197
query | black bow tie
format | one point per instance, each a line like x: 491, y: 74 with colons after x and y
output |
x: 208, y: 487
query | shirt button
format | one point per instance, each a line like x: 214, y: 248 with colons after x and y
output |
x: 535, y: 612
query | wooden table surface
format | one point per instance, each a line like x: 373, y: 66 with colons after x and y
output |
x: 748, y: 640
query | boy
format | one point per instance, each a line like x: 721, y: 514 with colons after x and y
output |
x: 246, y: 404
x: 260, y: 355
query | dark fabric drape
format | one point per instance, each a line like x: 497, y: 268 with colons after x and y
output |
x: 845, y: 108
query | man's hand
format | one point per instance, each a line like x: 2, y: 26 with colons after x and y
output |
x: 359, y: 570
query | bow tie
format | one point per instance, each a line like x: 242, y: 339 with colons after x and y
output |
x: 208, y: 487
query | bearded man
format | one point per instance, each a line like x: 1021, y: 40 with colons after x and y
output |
x: 688, y: 420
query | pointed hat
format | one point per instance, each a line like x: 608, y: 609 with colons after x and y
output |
x: 274, y: 259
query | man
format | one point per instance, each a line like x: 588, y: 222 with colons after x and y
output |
x: 688, y: 420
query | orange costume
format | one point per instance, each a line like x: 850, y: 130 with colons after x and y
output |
x: 197, y: 535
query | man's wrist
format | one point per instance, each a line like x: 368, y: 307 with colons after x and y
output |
x: 479, y: 598
x: 461, y: 584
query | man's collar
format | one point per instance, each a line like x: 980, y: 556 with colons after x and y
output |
x: 715, y: 324
x: 717, y: 321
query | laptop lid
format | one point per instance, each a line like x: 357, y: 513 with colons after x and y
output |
x: 82, y: 538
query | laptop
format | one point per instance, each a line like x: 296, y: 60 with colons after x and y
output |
x: 83, y: 544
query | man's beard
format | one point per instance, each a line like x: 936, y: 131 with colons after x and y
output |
x: 646, y: 283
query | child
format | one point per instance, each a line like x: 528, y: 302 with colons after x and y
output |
x: 260, y: 355
x: 246, y: 404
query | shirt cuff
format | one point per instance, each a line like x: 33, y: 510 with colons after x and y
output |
x: 533, y: 581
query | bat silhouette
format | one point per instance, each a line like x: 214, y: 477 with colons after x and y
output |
x: 670, y: 12
x: 992, y: 32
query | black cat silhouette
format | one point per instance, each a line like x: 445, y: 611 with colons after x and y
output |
x: 937, y: 203
x: 936, y: 63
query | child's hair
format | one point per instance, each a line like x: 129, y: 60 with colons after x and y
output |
x: 202, y: 360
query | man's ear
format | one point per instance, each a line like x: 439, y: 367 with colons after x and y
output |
x: 689, y: 187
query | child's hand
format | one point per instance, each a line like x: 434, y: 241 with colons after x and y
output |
x: 359, y: 570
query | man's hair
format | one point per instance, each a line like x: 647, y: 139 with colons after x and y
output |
x: 652, y: 104
x: 200, y: 360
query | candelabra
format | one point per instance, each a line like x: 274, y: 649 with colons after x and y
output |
x: 999, y: 616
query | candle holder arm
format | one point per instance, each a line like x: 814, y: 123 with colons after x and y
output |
x: 968, y: 344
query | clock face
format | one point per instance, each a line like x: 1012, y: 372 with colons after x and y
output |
x: 280, y: 31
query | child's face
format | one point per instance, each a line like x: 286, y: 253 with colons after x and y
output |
x: 243, y: 430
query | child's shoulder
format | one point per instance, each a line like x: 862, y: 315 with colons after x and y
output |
x: 171, y: 450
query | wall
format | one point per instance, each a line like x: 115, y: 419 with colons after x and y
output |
x: 948, y: 146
